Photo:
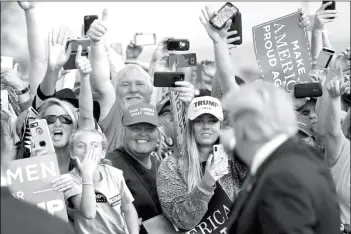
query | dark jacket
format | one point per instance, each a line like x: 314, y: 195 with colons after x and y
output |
x: 292, y: 192
x: 19, y: 217
x: 140, y: 181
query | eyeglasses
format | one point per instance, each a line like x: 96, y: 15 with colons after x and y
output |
x: 65, y: 119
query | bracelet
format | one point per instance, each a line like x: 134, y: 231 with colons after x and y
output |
x: 23, y: 91
x: 42, y: 96
x: 88, y: 184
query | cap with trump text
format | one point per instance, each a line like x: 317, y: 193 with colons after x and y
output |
x: 140, y: 113
x: 205, y: 105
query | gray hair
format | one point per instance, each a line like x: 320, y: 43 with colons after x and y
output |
x: 133, y: 69
x: 262, y: 108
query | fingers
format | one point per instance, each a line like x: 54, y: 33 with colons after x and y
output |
x: 15, y: 67
x: 79, y: 53
x: 205, y: 14
x: 210, y: 12
x: 227, y: 25
x: 209, y: 160
x: 104, y: 15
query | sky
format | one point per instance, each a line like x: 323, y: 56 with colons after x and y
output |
x: 176, y: 19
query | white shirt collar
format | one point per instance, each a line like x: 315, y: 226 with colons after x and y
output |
x: 266, y: 150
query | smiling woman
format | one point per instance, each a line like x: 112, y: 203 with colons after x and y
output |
x: 140, y: 137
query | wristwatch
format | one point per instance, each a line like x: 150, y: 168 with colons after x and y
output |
x: 23, y: 91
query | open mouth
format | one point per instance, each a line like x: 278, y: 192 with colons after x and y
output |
x: 58, y: 135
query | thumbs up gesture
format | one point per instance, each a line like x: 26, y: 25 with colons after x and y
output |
x: 98, y: 28
x: 82, y: 63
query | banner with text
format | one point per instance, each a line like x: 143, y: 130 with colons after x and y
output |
x: 282, y: 51
x: 30, y: 179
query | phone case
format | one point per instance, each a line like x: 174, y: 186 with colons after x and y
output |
x: 88, y: 20
x: 221, y: 17
x: 139, y: 39
x: 236, y: 26
x: 324, y: 58
x: 308, y: 90
x: 167, y: 79
x: 41, y: 136
x: 220, y: 155
x: 178, y: 44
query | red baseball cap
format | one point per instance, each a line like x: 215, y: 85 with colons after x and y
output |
x: 140, y: 113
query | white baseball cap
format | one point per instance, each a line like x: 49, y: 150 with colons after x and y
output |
x: 205, y: 105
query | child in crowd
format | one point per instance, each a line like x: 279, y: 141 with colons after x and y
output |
x: 101, y: 201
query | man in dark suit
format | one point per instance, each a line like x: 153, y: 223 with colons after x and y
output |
x: 290, y: 188
x: 19, y: 217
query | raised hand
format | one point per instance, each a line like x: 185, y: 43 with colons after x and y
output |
x: 186, y: 91
x: 337, y: 87
x: 27, y: 5
x: 82, y: 63
x: 323, y: 16
x: 342, y: 62
x: 214, y: 170
x: 215, y: 34
x: 89, y: 164
x: 98, y: 28
x: 58, y: 55
x: 11, y: 77
x: 304, y: 19
x: 231, y: 40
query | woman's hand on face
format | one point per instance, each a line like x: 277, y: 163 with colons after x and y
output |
x: 58, y: 55
x: 89, y: 164
x: 186, y: 91
x: 82, y: 63
x: 214, y: 170
x: 62, y: 183
x: 215, y: 34
x: 323, y: 16
x: 98, y: 28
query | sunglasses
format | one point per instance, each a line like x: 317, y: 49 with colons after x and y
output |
x: 65, y: 119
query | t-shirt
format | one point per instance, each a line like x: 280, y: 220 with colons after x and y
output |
x: 111, y: 126
x: 341, y: 176
x: 140, y: 181
x: 111, y: 193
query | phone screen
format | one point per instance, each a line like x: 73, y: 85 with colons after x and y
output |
x: 324, y: 59
x: 145, y: 39
x: 88, y: 20
x: 223, y: 15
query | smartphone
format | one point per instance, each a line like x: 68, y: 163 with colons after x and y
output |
x: 4, y: 99
x: 224, y: 14
x: 220, y: 155
x: 141, y: 39
x: 331, y: 7
x: 178, y: 44
x: 6, y: 62
x: 308, y: 90
x: 88, y: 20
x: 41, y: 136
x: 85, y: 43
x: 324, y: 58
x: 167, y: 79
x: 182, y: 60
x: 236, y: 26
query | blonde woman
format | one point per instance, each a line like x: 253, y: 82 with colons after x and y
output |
x: 189, y: 185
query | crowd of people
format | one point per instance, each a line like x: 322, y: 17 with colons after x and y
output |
x: 287, y: 164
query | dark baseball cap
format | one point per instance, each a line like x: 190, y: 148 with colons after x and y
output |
x: 140, y: 113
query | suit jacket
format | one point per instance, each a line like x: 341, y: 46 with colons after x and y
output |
x: 291, y: 192
x: 21, y: 217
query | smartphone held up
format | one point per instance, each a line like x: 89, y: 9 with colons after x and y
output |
x: 224, y: 14
x: 178, y: 44
x: 167, y: 79
x: 85, y: 43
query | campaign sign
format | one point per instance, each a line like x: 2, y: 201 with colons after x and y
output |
x: 30, y: 179
x: 282, y: 51
x: 178, y: 112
